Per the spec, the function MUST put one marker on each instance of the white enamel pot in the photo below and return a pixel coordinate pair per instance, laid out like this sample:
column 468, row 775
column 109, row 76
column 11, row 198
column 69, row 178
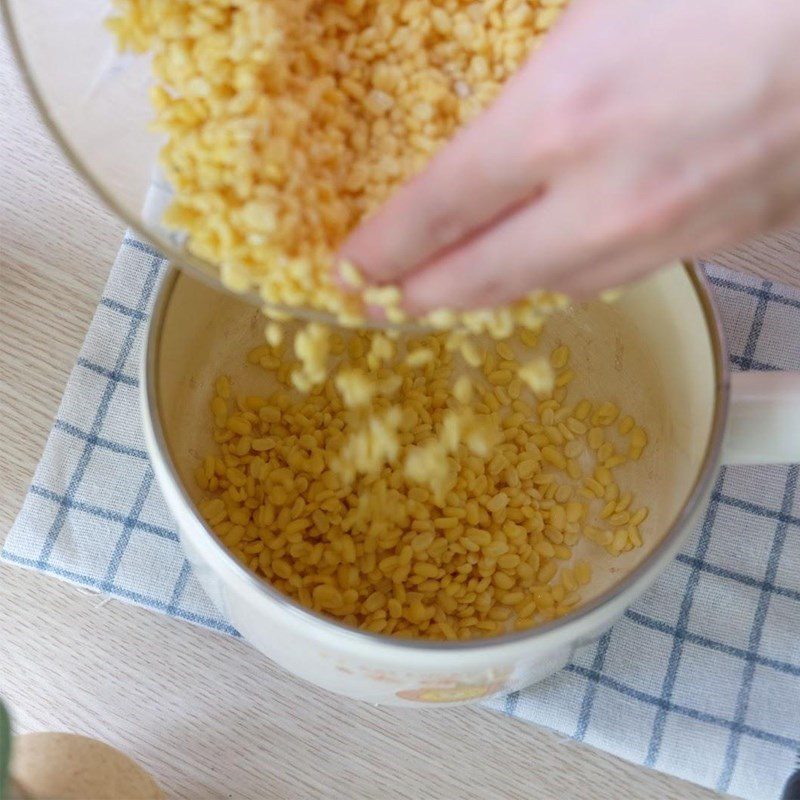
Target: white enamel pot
column 658, row 352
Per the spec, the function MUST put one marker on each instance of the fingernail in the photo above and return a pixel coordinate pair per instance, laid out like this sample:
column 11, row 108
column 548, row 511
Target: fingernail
column 376, row 313
column 415, row 302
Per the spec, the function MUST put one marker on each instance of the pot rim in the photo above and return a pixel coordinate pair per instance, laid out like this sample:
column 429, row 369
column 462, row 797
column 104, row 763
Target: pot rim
column 643, row 574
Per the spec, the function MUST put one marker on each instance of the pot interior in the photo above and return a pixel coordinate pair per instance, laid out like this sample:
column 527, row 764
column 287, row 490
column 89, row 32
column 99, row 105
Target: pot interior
column 650, row 352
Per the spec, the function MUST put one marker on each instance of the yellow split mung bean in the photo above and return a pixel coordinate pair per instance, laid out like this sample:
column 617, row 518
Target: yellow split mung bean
column 397, row 528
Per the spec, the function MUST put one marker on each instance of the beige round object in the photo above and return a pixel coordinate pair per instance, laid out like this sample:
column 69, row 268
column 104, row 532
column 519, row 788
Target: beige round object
column 65, row 766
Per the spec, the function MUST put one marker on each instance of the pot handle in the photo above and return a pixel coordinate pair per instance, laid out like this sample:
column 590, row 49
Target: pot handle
column 763, row 419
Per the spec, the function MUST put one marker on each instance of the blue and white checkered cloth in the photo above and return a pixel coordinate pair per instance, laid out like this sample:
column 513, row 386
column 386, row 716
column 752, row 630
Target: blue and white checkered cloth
column 701, row 678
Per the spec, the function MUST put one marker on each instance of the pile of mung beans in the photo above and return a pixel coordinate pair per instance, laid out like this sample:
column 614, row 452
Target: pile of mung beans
column 422, row 503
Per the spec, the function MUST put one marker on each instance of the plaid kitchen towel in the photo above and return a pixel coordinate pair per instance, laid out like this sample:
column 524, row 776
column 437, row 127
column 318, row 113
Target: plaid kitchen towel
column 701, row 678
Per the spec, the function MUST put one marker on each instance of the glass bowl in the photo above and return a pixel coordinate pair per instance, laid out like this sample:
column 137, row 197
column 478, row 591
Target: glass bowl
column 95, row 100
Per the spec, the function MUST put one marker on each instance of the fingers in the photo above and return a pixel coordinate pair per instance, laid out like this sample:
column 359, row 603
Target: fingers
column 596, row 229
column 535, row 247
column 587, row 233
column 493, row 164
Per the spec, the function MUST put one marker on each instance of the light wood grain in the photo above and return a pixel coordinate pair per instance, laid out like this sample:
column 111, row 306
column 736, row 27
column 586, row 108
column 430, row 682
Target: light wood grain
column 774, row 258
column 209, row 716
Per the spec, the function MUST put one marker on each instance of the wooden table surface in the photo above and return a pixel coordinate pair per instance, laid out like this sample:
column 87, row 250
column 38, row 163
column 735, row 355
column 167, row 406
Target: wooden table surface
column 208, row 715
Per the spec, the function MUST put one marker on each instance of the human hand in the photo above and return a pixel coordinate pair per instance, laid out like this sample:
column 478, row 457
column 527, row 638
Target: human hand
column 640, row 132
